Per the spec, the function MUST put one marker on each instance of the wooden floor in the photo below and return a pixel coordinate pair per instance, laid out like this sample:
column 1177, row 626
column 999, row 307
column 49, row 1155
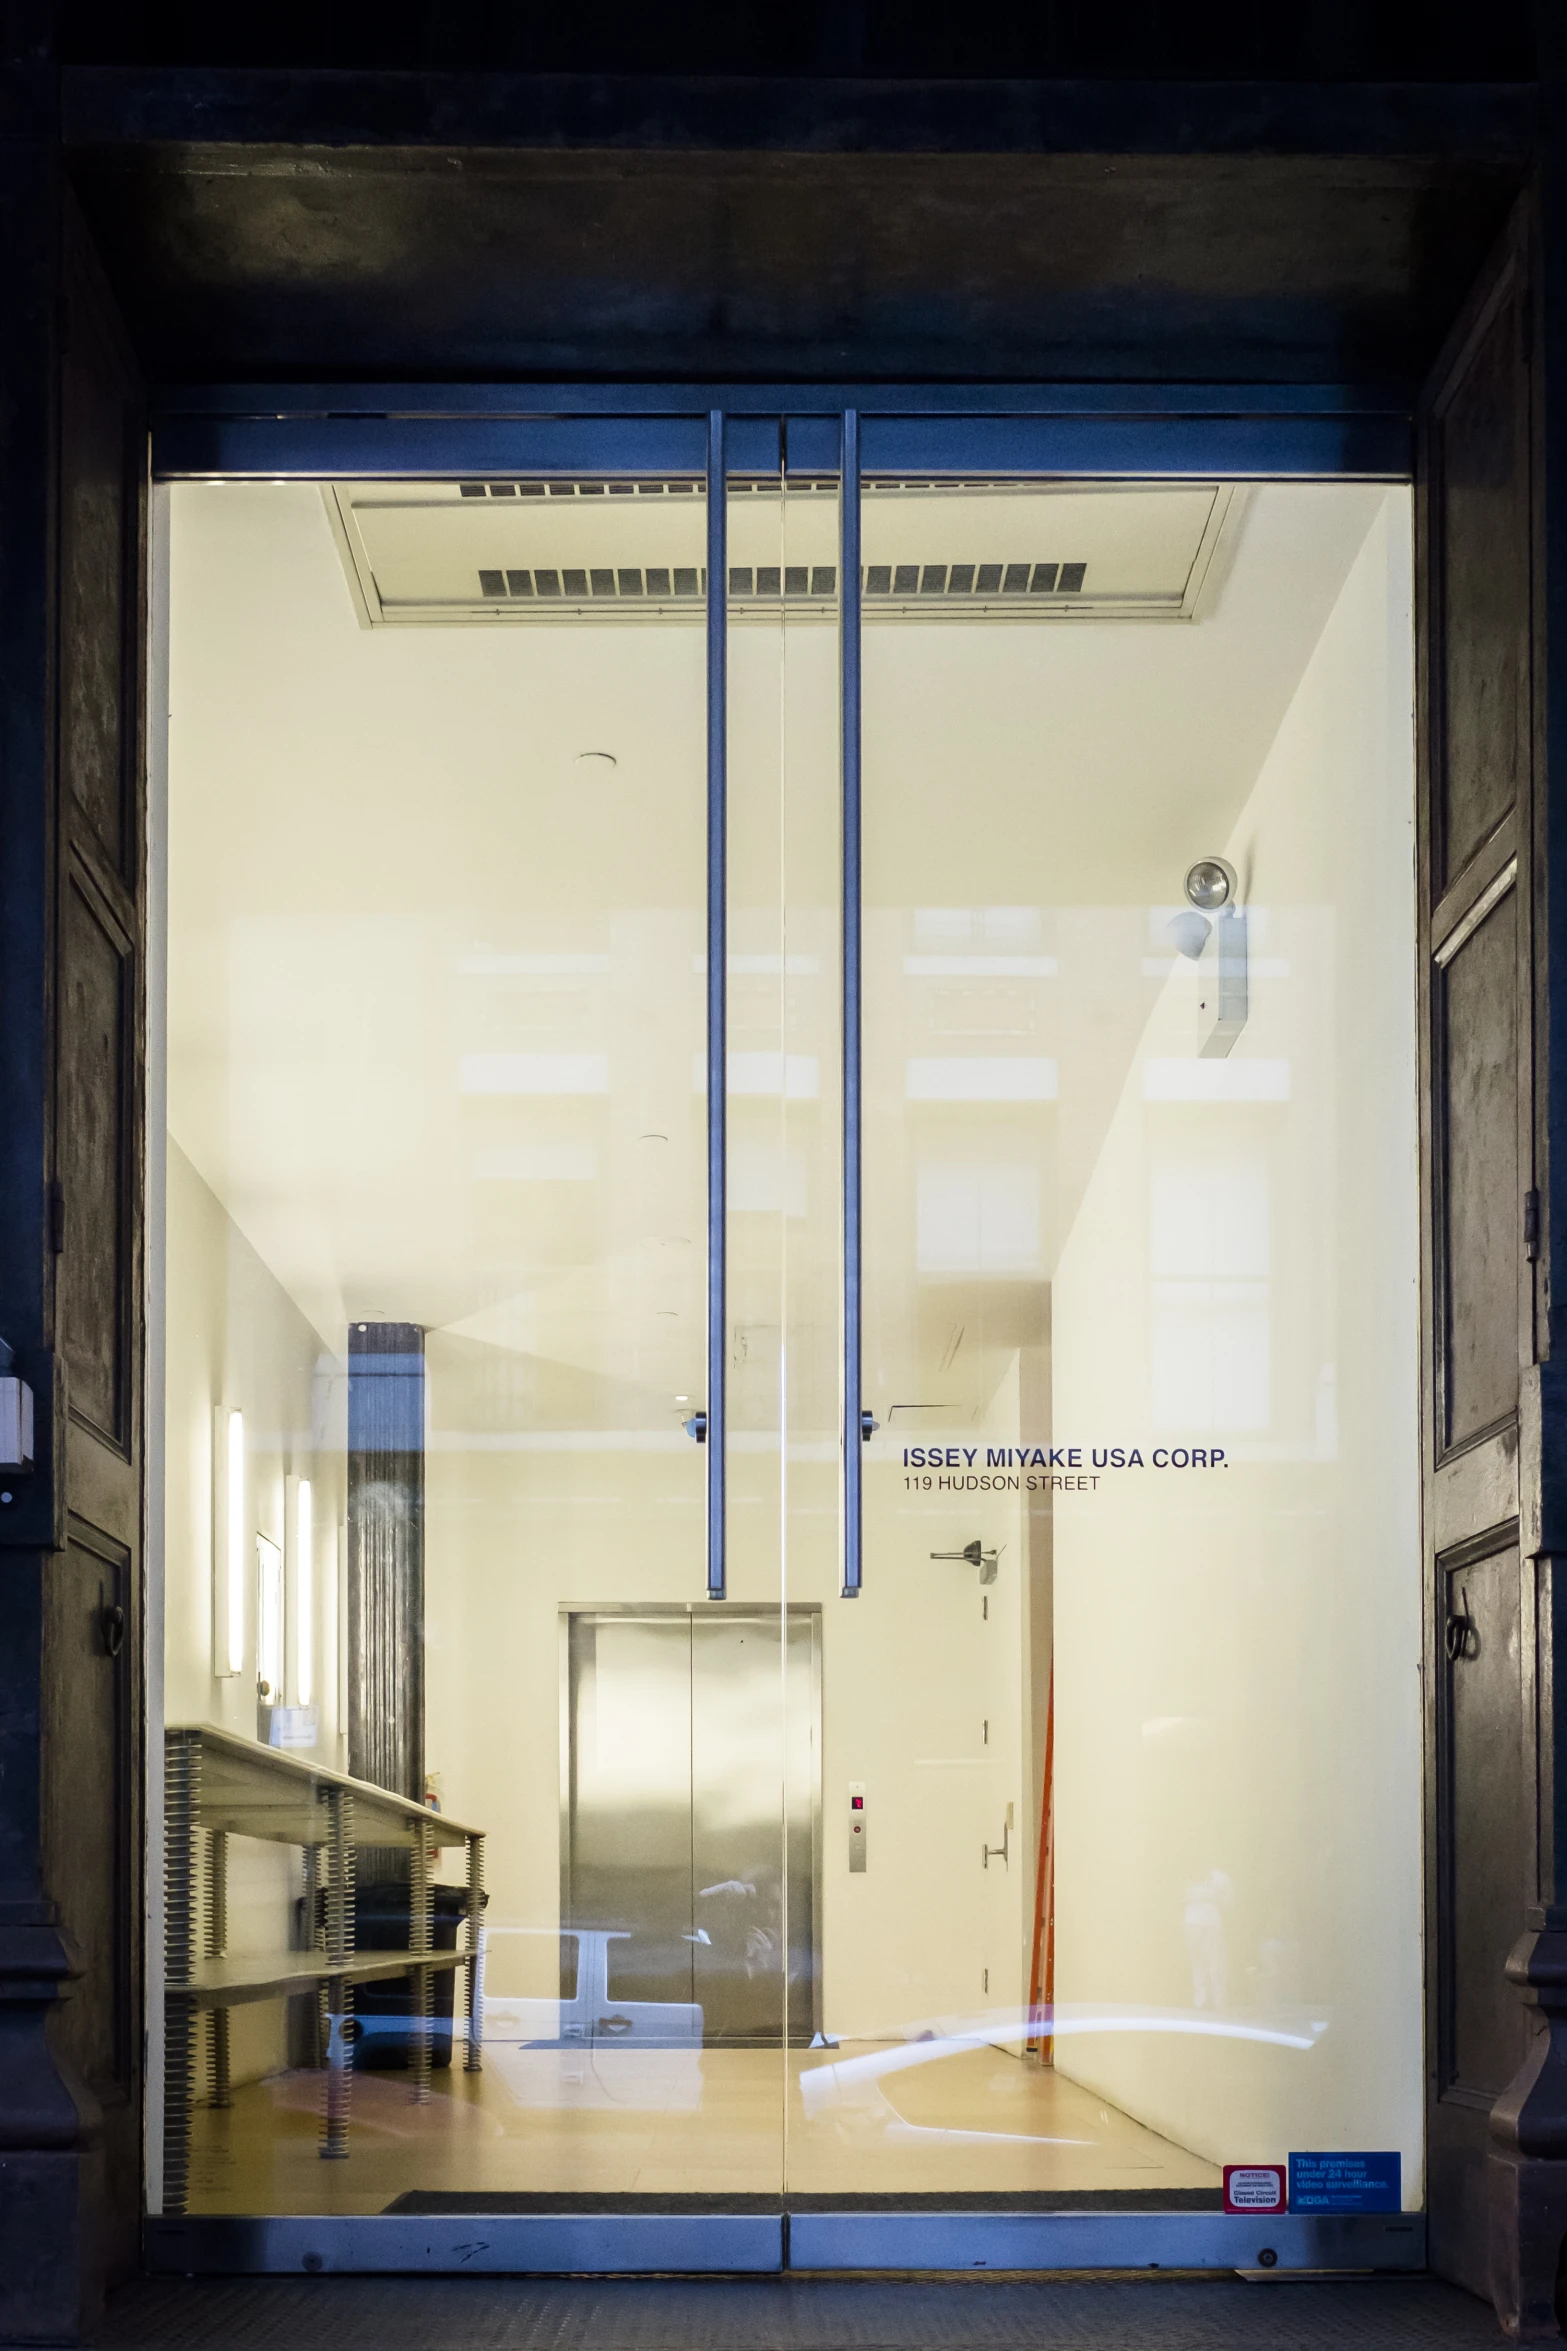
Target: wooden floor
column 717, row 2121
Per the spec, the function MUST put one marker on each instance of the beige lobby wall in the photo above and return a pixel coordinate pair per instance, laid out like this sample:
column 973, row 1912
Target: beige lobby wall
column 914, row 1671
column 235, row 1339
column 514, row 1533
column 910, row 1672
column 1238, row 1650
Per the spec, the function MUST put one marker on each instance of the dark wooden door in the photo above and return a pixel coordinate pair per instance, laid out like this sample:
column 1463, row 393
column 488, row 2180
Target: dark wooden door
column 1476, row 570
column 92, row 1615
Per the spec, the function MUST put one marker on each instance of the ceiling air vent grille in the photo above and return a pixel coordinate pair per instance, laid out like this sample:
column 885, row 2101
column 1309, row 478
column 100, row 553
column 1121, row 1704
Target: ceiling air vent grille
column 765, row 583
column 604, row 489
column 599, row 550
column 623, row 583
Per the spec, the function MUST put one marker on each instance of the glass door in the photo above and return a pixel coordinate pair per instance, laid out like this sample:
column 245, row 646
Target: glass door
column 1121, row 1752
column 475, row 1726
column 791, row 1578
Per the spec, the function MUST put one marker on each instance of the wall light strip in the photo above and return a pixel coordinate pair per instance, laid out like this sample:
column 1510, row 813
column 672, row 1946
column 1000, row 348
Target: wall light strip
column 304, row 1594
column 236, row 1560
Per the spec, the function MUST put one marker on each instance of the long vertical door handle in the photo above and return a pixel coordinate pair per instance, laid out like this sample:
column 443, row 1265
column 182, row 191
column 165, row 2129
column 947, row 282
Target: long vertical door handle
column 717, row 990
column 849, row 672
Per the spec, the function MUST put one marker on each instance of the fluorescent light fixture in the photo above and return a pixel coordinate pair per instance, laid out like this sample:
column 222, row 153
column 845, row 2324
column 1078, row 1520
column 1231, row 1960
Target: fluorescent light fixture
column 304, row 1595
column 234, row 1495
column 269, row 1621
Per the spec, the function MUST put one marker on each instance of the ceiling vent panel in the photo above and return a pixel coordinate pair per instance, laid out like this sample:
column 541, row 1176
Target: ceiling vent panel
column 428, row 554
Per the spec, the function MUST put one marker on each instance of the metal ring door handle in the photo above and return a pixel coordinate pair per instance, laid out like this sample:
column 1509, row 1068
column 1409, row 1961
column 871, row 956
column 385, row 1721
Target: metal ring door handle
column 1461, row 1638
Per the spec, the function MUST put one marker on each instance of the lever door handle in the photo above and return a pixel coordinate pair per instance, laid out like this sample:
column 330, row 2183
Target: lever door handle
column 1003, row 1851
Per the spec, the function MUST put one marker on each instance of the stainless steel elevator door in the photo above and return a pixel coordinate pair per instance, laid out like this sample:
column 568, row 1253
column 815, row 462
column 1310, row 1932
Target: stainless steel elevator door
column 688, row 1877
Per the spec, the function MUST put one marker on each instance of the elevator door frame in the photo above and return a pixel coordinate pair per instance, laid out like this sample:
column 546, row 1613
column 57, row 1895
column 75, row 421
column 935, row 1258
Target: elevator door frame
column 805, row 1613
column 321, row 433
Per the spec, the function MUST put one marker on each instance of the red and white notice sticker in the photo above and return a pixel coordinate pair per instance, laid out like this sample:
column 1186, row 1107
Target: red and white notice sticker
column 1254, row 2187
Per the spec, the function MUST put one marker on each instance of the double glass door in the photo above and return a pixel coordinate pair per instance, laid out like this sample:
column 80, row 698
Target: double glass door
column 791, row 1556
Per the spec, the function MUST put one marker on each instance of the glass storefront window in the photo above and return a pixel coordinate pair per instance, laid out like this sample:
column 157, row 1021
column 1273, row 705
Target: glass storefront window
column 1077, row 1857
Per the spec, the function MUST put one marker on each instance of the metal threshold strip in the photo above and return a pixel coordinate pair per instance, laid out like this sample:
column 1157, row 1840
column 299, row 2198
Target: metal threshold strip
column 627, row 2242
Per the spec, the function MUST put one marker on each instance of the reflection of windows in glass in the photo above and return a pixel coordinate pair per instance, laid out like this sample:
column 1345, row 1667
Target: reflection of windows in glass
column 996, row 928
column 269, row 1621
column 1210, row 1331
column 984, row 1008
column 763, row 1177
column 514, row 1006
column 980, row 1077
column 537, row 1163
column 533, row 1073
column 978, row 1219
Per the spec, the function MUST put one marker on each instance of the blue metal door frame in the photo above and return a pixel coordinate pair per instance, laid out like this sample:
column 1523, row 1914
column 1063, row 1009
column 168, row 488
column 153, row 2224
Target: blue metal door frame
column 308, row 432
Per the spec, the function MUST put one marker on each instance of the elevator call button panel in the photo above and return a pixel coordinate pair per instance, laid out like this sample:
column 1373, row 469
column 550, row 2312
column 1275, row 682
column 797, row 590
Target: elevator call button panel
column 856, row 1826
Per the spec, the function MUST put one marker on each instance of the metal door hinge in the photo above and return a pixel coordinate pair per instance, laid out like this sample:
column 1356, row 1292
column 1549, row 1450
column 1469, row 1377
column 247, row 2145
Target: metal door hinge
column 1531, row 1226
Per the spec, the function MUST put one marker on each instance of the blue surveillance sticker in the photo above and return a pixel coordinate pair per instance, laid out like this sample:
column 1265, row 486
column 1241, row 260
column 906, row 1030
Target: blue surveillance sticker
column 1345, row 2183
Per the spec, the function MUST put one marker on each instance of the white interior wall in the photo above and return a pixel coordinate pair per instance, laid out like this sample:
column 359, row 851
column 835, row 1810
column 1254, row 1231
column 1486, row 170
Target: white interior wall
column 1238, row 1651
column 925, row 1679
column 235, row 1339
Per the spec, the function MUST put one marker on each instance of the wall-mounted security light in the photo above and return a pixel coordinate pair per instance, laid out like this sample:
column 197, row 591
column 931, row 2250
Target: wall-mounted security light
column 1211, row 883
column 1213, row 936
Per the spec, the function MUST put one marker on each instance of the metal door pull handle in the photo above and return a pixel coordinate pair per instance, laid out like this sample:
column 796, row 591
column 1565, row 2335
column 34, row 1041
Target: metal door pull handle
column 1003, row 1850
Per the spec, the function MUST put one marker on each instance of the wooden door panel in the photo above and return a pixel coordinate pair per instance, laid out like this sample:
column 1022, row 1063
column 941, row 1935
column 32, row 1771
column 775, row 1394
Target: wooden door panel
column 92, row 1612
column 98, row 600
column 88, row 1799
column 1483, row 1827
column 94, row 1173
column 1474, row 503
column 1479, row 1192
column 1484, row 562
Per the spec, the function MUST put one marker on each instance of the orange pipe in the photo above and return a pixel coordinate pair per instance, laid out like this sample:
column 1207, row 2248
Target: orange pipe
column 1042, row 1968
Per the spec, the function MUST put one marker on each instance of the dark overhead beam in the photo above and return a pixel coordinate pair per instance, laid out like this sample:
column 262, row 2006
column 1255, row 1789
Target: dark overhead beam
column 186, row 108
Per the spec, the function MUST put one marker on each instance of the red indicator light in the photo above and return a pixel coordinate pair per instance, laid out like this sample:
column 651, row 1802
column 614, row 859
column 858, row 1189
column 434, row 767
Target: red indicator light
column 856, row 1803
